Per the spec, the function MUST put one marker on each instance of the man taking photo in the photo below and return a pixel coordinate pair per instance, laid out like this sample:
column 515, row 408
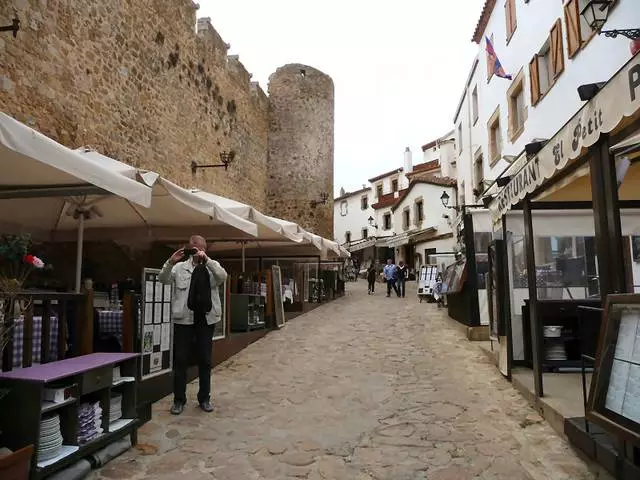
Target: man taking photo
column 195, row 309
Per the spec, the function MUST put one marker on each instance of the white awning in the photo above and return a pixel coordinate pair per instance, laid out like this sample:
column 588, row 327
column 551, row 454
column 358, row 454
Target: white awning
column 618, row 99
column 361, row 245
column 268, row 227
column 628, row 145
column 33, row 165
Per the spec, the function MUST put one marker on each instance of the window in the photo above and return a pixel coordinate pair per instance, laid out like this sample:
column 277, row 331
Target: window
column 547, row 65
column 517, row 108
column 347, row 237
column 406, row 218
column 478, row 174
column 344, row 208
column 364, row 202
column 386, row 221
column 495, row 138
column 379, row 190
column 510, row 16
column 474, row 104
column 460, row 137
column 394, row 185
column 419, row 214
column 365, row 233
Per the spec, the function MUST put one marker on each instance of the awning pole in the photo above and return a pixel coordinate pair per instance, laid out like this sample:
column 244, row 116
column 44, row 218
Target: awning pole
column 79, row 251
column 243, row 259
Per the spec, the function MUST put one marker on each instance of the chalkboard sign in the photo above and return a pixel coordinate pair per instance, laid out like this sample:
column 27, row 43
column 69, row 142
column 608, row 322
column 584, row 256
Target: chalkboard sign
column 277, row 295
column 614, row 401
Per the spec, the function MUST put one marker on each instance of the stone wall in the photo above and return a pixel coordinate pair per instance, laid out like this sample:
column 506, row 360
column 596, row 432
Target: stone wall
column 301, row 142
column 133, row 79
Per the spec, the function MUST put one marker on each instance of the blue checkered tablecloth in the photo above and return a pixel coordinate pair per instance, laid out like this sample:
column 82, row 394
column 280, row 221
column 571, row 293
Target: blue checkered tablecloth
column 110, row 322
column 18, row 341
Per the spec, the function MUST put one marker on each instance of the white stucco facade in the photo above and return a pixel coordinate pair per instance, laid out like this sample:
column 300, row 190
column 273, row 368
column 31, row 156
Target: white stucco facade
column 350, row 217
column 597, row 60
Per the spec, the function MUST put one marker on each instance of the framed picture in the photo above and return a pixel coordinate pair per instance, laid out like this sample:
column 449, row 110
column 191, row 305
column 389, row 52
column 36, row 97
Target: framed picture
column 614, row 399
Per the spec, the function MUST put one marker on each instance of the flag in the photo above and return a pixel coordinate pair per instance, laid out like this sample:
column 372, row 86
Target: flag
column 497, row 66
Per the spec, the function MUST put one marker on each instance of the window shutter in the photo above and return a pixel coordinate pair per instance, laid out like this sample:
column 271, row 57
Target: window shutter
column 512, row 12
column 534, row 80
column 507, row 17
column 557, row 50
column 572, row 21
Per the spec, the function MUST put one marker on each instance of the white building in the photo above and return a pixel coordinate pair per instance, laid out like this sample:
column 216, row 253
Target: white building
column 550, row 50
column 350, row 217
column 443, row 151
column 404, row 217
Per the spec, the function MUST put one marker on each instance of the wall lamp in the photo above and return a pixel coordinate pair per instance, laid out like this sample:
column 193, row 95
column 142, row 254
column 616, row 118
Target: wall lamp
column 596, row 12
column 444, row 198
column 225, row 157
column 14, row 27
column 588, row 91
column 324, row 198
column 372, row 222
column 534, row 147
column 503, row 181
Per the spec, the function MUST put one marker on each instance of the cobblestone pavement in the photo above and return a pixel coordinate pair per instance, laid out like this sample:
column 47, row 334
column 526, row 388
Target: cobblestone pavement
column 361, row 388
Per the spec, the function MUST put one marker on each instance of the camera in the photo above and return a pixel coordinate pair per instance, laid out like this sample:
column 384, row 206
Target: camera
column 188, row 252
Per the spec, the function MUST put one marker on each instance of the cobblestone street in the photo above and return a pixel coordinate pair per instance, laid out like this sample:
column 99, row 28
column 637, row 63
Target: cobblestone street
column 361, row 388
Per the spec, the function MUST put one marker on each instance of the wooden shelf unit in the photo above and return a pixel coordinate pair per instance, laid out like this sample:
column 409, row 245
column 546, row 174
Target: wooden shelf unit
column 91, row 377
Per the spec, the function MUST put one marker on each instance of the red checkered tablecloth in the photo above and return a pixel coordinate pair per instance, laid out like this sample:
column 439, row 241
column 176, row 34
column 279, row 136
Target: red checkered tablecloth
column 18, row 341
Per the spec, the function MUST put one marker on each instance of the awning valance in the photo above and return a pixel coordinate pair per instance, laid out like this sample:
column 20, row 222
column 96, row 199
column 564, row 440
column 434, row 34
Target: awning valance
column 422, row 235
column 361, row 244
column 398, row 240
column 619, row 98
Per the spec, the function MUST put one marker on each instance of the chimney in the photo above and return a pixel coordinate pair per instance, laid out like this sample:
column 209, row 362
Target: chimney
column 408, row 162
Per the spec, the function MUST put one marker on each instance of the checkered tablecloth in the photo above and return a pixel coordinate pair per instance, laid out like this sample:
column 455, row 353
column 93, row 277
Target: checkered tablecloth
column 110, row 322
column 18, row 341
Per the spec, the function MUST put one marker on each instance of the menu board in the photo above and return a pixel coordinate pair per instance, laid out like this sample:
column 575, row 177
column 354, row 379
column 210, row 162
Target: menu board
column 157, row 329
column 623, row 391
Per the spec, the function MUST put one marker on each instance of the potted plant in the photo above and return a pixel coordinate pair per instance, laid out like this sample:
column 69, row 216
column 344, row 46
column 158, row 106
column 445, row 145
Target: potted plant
column 16, row 263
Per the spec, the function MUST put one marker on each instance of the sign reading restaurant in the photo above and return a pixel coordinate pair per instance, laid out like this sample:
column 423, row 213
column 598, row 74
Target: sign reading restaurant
column 619, row 98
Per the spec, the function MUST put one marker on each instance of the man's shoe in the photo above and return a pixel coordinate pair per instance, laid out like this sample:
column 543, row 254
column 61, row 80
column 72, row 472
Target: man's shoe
column 206, row 406
column 177, row 408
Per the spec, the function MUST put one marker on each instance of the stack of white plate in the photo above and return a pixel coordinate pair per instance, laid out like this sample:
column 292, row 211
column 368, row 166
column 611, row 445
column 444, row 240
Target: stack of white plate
column 556, row 352
column 115, row 408
column 50, row 443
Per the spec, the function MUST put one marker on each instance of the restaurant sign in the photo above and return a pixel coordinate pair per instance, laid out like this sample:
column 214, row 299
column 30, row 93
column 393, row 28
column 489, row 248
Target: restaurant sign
column 619, row 98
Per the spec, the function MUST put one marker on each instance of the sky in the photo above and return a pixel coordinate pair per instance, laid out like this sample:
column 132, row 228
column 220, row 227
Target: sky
column 398, row 68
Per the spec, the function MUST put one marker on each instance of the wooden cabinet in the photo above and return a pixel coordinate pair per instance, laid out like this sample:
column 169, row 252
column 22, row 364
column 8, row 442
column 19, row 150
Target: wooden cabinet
column 247, row 312
column 85, row 379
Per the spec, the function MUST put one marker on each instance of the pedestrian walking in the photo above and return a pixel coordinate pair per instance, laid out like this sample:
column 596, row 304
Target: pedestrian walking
column 195, row 307
column 371, row 279
column 438, row 291
column 391, row 277
column 403, row 273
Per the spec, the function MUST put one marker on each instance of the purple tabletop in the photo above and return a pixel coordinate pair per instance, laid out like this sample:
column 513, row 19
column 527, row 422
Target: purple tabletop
column 48, row 372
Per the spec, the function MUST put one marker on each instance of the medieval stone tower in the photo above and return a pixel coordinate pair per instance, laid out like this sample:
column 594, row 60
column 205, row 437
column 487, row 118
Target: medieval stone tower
column 301, row 143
